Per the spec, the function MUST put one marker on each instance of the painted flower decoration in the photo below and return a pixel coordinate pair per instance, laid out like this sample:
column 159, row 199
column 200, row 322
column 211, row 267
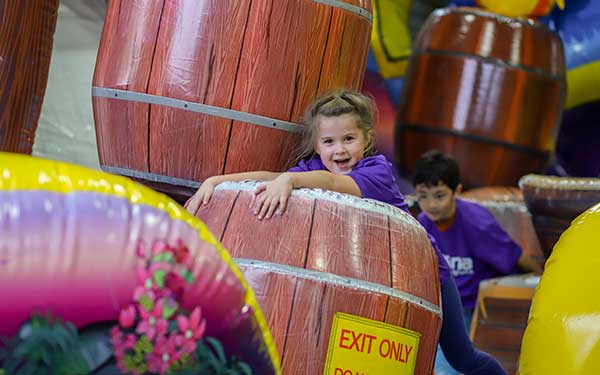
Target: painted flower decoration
column 154, row 333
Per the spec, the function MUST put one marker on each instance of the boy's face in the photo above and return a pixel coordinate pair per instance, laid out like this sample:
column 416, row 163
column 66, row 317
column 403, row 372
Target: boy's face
column 438, row 202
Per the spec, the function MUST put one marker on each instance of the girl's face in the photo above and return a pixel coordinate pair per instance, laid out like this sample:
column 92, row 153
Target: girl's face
column 340, row 142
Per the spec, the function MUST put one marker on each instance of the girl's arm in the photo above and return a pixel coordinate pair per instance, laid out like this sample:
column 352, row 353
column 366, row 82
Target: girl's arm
column 325, row 180
column 204, row 193
column 275, row 194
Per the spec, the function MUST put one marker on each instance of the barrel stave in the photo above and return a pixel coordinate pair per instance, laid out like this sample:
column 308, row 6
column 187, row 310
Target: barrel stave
column 315, row 305
column 130, row 29
column 197, row 61
column 282, row 240
column 351, row 242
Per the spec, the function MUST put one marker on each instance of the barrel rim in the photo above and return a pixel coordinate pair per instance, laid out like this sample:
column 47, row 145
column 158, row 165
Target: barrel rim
column 349, row 282
column 498, row 17
column 559, row 183
column 356, row 9
column 367, row 204
column 501, row 205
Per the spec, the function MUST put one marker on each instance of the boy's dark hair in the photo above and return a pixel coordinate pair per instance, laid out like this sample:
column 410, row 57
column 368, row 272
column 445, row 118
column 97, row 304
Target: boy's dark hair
column 434, row 167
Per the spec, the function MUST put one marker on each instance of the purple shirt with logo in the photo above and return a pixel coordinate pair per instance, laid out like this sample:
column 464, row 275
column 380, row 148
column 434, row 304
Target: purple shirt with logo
column 375, row 179
column 476, row 248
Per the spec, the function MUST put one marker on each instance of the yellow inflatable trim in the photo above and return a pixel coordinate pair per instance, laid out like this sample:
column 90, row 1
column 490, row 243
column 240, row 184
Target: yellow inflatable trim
column 390, row 39
column 582, row 85
column 521, row 8
column 563, row 331
column 30, row 173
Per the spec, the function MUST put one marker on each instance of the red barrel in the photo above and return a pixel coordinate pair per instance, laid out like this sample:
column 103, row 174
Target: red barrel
column 330, row 253
column 189, row 89
column 556, row 201
column 487, row 90
column 26, row 38
column 508, row 207
column 500, row 317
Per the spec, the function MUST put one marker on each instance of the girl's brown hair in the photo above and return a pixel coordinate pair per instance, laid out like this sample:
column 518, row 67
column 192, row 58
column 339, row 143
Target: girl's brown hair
column 334, row 104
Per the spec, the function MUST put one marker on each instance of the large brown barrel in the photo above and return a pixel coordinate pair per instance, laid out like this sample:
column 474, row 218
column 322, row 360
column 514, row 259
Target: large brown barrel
column 485, row 89
column 190, row 89
column 329, row 254
column 500, row 317
column 26, row 38
column 508, row 207
column 556, row 201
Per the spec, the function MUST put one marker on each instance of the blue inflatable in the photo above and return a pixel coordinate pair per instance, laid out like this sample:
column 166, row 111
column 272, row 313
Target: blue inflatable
column 578, row 145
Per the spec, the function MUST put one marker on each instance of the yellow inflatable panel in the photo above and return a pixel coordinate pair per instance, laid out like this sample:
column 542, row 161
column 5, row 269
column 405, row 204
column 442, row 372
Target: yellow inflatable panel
column 520, row 8
column 582, row 84
column 390, row 39
column 563, row 332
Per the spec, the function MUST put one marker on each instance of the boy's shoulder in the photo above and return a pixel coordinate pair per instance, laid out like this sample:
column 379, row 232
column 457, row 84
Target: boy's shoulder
column 474, row 214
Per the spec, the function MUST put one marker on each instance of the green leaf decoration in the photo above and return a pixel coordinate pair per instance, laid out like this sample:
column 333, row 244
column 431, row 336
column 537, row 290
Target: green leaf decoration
column 129, row 362
column 168, row 311
column 146, row 303
column 159, row 278
column 187, row 275
column 217, row 348
column 143, row 346
column 44, row 346
column 164, row 258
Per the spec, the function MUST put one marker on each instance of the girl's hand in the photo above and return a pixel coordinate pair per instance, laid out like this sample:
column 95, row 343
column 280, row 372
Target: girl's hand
column 271, row 195
column 201, row 197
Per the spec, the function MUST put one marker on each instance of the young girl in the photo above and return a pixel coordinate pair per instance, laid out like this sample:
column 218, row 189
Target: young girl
column 337, row 154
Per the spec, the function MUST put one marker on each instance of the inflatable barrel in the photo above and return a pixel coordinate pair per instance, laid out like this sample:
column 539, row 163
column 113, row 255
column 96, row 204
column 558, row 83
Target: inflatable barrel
column 331, row 269
column 189, row 89
column 500, row 317
column 475, row 89
column 70, row 238
column 556, row 201
column 26, row 38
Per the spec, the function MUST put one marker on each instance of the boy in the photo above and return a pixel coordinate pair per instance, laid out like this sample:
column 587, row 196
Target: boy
column 473, row 243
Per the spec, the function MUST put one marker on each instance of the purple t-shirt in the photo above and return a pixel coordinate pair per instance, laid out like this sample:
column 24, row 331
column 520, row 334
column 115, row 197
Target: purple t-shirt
column 476, row 248
column 375, row 179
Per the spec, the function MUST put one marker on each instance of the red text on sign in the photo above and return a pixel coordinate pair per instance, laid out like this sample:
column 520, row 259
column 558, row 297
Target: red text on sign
column 361, row 342
column 395, row 350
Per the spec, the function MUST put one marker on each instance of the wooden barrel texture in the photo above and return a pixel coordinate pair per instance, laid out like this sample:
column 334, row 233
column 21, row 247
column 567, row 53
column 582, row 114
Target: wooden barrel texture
column 485, row 89
column 227, row 58
column 26, row 38
column 556, row 201
column 500, row 318
column 507, row 205
column 289, row 261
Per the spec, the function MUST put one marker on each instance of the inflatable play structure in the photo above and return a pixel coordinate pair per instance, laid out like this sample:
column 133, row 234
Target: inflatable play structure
column 90, row 248
column 334, row 263
column 500, row 317
column 25, row 49
column 471, row 93
column 572, row 146
column 182, row 92
column 554, row 202
column 562, row 335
